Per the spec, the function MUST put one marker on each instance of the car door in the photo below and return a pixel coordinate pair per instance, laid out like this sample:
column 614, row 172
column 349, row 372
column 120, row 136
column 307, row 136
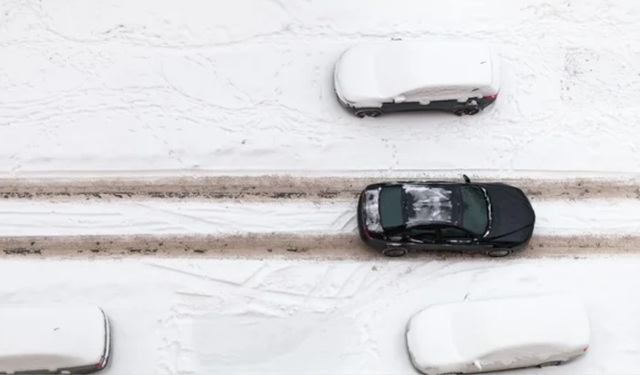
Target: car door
column 509, row 358
column 411, row 101
column 457, row 239
column 423, row 238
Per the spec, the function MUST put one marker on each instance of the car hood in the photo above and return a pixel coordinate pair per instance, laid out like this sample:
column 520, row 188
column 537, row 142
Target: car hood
column 354, row 76
column 511, row 212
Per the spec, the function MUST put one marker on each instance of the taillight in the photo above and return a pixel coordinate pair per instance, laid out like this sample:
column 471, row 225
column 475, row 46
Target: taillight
column 366, row 231
column 489, row 97
column 585, row 349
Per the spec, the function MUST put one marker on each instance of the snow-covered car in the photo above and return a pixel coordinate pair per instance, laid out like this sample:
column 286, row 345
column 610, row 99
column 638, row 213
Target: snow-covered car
column 492, row 218
column 499, row 334
column 53, row 340
column 382, row 77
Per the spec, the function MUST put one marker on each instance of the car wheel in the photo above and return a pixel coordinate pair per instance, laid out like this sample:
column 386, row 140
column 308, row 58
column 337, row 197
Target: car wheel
column 498, row 253
column 458, row 111
column 471, row 110
column 549, row 364
column 394, row 252
column 368, row 113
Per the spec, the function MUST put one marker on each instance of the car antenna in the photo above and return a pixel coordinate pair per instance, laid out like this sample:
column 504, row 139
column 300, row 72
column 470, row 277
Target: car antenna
column 466, row 178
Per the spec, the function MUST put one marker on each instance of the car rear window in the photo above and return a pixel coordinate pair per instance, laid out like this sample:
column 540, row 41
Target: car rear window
column 391, row 207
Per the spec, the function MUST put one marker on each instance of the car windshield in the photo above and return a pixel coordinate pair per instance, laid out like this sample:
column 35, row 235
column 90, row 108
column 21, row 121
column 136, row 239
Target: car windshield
column 474, row 209
column 391, row 207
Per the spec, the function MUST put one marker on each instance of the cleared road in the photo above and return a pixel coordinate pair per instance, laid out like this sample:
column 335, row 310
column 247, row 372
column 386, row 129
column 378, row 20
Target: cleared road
column 265, row 188
column 338, row 247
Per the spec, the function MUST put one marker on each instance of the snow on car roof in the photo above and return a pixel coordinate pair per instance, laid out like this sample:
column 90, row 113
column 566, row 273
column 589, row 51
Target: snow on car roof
column 403, row 67
column 371, row 206
column 42, row 338
column 473, row 329
column 428, row 204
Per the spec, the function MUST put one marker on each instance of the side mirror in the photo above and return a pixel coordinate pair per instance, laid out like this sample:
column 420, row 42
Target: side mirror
column 477, row 365
column 467, row 180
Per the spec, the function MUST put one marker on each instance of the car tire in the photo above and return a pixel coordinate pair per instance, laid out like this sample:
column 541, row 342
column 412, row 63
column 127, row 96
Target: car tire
column 471, row 110
column 394, row 252
column 368, row 113
column 549, row 364
column 498, row 253
column 458, row 111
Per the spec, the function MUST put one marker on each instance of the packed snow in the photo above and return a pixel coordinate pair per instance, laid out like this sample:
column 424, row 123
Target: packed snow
column 32, row 218
column 142, row 88
column 161, row 87
column 174, row 316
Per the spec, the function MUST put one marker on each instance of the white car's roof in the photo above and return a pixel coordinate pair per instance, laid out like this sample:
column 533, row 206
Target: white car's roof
column 463, row 332
column 383, row 70
column 47, row 338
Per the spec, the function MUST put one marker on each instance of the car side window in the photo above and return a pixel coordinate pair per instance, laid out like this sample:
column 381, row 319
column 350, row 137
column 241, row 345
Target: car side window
column 450, row 233
column 422, row 234
column 437, row 91
column 418, row 94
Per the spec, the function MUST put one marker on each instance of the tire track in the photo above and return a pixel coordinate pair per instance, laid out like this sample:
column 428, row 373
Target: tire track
column 275, row 188
column 274, row 246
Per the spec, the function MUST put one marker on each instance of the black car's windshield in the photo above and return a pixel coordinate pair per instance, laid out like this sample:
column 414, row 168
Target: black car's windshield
column 391, row 207
column 474, row 209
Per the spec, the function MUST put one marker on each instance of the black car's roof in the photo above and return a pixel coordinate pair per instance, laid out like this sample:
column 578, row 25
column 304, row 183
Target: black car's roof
column 429, row 203
column 421, row 204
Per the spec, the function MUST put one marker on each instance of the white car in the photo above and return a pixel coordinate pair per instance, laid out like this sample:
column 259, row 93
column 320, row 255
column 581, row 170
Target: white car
column 382, row 77
column 500, row 334
column 55, row 340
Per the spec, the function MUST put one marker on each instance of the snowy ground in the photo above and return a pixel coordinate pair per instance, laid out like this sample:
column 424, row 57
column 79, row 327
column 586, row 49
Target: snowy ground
column 206, row 316
column 174, row 88
column 33, row 218
column 137, row 88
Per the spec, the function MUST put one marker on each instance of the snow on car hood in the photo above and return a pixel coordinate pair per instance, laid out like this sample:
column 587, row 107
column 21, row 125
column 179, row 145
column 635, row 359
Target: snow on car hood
column 355, row 78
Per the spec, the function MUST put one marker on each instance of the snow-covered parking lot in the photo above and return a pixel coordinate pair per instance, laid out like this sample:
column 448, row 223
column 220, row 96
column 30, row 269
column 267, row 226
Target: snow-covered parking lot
column 227, row 316
column 97, row 95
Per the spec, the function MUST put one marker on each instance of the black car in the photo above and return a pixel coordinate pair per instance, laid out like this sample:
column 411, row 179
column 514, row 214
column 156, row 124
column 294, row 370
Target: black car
column 491, row 218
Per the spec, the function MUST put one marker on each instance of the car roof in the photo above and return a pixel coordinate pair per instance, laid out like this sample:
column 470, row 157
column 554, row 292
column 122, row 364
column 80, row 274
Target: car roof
column 42, row 338
column 402, row 67
column 429, row 203
column 474, row 329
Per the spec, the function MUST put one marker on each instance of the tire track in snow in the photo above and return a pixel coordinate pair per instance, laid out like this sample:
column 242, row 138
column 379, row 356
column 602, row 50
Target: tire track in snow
column 278, row 188
column 284, row 246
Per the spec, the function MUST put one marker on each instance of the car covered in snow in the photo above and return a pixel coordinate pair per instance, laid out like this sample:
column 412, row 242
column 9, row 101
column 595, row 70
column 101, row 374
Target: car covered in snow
column 399, row 217
column 498, row 334
column 53, row 340
column 382, row 77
